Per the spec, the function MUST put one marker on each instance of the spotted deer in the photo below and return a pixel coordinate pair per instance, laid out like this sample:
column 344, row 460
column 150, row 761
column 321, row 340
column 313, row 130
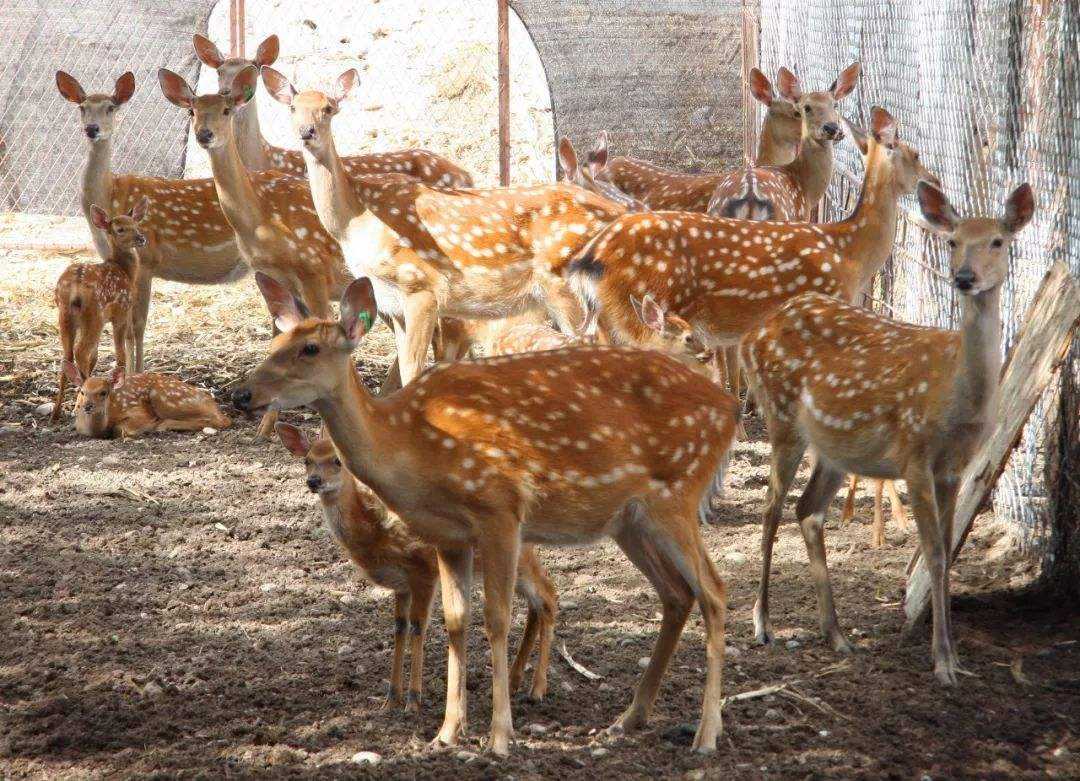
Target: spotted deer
column 562, row 447
column 724, row 276
column 587, row 176
column 259, row 155
column 827, row 377
column 187, row 236
column 662, row 189
column 127, row 406
column 474, row 254
column 384, row 551
column 90, row 294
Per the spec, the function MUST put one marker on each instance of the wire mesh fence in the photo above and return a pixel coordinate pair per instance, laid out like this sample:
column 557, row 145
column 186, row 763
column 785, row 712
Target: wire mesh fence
column 987, row 91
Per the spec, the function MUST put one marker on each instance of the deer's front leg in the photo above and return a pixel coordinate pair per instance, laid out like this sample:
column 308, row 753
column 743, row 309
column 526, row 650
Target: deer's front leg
column 421, row 311
column 140, row 307
column 455, row 576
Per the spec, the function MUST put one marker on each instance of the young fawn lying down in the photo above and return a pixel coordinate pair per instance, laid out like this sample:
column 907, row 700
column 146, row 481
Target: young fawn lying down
column 90, row 294
column 389, row 556
column 127, row 406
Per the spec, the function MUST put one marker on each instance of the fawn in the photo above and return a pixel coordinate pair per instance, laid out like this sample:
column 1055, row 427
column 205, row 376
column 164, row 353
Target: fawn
column 388, row 555
column 561, row 447
column 127, row 406
column 89, row 294
column 826, row 375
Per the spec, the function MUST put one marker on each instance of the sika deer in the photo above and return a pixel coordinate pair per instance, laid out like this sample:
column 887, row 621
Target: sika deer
column 129, row 406
column 259, row 155
column 87, row 295
column 561, row 447
column 384, row 551
column 827, row 378
column 187, row 237
column 586, row 176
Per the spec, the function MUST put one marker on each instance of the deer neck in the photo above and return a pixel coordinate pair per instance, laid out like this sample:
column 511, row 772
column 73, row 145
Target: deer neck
column 249, row 138
column 332, row 191
column 979, row 359
column 236, row 193
column 352, row 417
column 771, row 150
column 812, row 169
column 126, row 260
column 97, row 184
column 869, row 233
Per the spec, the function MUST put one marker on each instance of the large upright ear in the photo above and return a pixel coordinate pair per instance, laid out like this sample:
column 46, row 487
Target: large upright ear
column 858, row 135
column 123, row 89
column 884, row 127
column 138, row 211
column 277, row 85
column 175, row 88
column 99, row 217
column 294, row 440
column 651, row 314
column 598, row 155
column 69, row 87
column 936, row 209
column 207, row 51
column 71, row 371
column 345, row 83
column 845, row 82
column 788, row 85
column 1019, row 208
column 761, row 87
column 568, row 159
column 284, row 308
column 267, row 53
column 243, row 85
column 358, row 309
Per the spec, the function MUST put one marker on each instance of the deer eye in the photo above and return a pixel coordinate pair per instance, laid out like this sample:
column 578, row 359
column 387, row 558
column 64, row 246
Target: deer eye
column 952, row 243
column 225, row 111
column 110, row 109
column 337, row 462
column 309, row 349
column 808, row 110
column 191, row 112
column 996, row 243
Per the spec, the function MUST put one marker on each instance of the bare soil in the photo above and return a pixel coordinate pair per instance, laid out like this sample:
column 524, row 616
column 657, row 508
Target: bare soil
column 172, row 608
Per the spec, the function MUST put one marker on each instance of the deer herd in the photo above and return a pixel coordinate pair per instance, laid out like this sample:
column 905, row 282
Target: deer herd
column 616, row 312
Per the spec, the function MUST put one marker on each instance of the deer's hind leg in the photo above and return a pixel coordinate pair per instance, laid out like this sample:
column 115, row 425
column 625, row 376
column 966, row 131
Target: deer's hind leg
column 423, row 591
column 67, row 344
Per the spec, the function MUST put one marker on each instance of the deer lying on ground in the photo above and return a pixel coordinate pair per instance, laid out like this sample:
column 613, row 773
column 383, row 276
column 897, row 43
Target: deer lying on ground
column 474, row 254
column 127, row 406
column 259, row 155
column 90, row 294
column 389, row 556
column 561, row 447
column 187, row 236
column 827, row 377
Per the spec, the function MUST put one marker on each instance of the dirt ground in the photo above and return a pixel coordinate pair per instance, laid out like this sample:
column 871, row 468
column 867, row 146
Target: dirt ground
column 172, row 607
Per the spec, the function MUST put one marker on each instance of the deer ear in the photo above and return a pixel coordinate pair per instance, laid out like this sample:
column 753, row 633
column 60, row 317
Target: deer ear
column 71, row 371
column 70, row 88
column 207, row 51
column 283, row 306
column 884, row 128
column 294, row 440
column 761, row 87
column 345, row 83
column 119, row 377
column 99, row 217
column 651, row 314
column 845, row 82
column 788, row 84
column 936, row 209
column 138, row 211
column 243, row 86
column 268, row 50
column 123, row 89
column 1019, row 208
column 598, row 155
column 568, row 159
column 175, row 89
column 358, row 309
column 858, row 135
column 277, row 85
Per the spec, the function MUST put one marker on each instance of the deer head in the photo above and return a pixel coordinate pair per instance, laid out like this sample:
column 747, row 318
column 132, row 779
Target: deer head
column 311, row 111
column 228, row 68
column 98, row 111
column 92, row 402
column 821, row 122
column 670, row 332
column 321, row 461
column 901, row 162
column 211, row 115
column 123, row 230
column 979, row 247
column 782, row 116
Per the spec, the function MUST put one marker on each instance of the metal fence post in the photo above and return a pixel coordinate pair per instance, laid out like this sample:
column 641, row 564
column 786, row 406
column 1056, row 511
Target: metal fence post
column 504, row 93
column 236, row 28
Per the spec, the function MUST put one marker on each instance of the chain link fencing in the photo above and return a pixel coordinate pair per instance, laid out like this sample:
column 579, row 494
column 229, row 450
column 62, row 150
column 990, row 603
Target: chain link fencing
column 987, row 90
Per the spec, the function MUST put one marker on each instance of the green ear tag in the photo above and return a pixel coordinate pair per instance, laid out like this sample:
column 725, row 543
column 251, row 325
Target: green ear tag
column 249, row 93
column 365, row 318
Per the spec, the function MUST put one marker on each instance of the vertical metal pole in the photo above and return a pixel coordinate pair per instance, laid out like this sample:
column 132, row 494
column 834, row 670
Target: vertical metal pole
column 750, row 11
column 504, row 93
column 236, row 28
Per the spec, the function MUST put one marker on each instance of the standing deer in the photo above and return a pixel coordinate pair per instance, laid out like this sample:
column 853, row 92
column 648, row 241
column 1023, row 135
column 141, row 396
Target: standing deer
column 475, row 254
column 561, row 447
column 259, row 155
column 389, row 556
column 827, row 377
column 127, row 406
column 187, row 236
column 87, row 295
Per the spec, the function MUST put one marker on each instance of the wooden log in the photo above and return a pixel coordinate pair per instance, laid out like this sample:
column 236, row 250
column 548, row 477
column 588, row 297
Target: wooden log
column 1044, row 341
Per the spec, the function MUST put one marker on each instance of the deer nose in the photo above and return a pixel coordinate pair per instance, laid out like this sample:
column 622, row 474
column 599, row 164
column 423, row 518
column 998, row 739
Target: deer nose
column 204, row 136
column 241, row 398
column 307, row 133
column 88, row 407
column 314, row 483
column 92, row 131
column 964, row 279
column 831, row 129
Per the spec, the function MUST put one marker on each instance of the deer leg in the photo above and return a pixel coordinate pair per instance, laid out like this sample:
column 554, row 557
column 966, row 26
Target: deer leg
column 67, row 343
column 899, row 512
column 270, row 418
column 787, row 452
column 121, row 339
column 395, row 691
column 810, row 511
column 538, row 590
column 455, row 576
column 140, row 307
column 392, row 381
column 877, row 539
column 711, row 595
column 924, row 504
column 849, row 504
column 945, row 491
column 499, row 550
column 419, row 614
column 421, row 311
